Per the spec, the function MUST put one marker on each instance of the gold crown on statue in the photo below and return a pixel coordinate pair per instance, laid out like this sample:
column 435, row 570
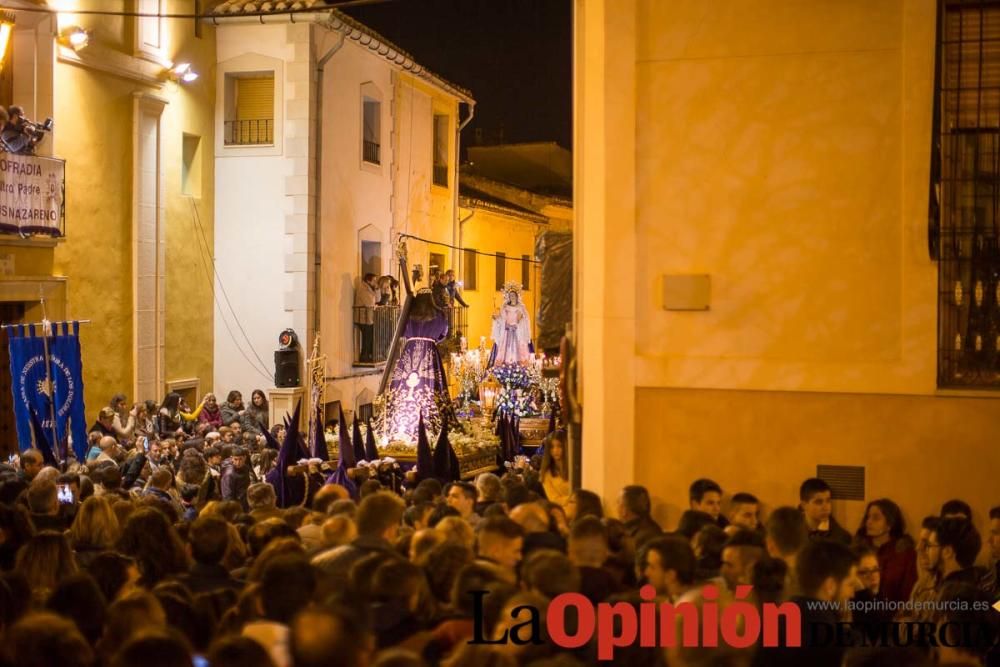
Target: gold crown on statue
column 425, row 290
column 511, row 286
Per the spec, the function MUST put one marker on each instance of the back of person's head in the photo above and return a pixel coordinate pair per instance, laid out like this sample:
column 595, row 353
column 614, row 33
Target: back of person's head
column 397, row 579
column 149, row 537
column 532, row 517
column 45, row 560
column 378, row 513
column 43, row 497
column 209, row 539
column 161, row 649
column 488, row 487
column 550, row 573
column 96, row 524
column 699, row 487
column 368, row 487
column 79, row 599
column 337, row 531
column 161, row 478
column 693, row 521
column 441, row 512
column 588, row 542
column 821, row 560
column 261, row 495
column 326, row 496
column 768, row 579
column 962, row 537
column 343, row 507
column 417, row 513
column 588, row 503
column 635, row 500
column 477, row 576
column 110, row 571
column 956, row 508
column 264, row 532
column 321, row 637
column 441, row 564
column 286, row 587
column 238, row 651
column 134, row 614
column 499, row 527
column 810, row 487
column 675, row 554
column 786, row 530
column 46, row 640
column 708, row 544
column 430, row 486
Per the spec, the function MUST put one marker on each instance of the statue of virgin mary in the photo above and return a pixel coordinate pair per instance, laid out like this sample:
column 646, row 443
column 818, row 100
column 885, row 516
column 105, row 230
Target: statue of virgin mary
column 511, row 330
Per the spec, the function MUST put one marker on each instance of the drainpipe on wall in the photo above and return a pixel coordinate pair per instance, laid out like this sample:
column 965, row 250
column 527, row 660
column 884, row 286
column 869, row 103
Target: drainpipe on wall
column 318, row 183
column 456, row 231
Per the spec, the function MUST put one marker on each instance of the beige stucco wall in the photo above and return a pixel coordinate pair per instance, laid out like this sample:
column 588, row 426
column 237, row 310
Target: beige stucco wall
column 93, row 111
column 784, row 150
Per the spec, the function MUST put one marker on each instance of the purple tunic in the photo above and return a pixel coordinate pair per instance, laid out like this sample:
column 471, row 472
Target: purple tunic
column 419, row 383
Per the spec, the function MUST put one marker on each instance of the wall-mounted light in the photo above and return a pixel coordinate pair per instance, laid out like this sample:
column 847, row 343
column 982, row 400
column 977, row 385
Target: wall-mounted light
column 183, row 72
column 6, row 28
column 74, row 37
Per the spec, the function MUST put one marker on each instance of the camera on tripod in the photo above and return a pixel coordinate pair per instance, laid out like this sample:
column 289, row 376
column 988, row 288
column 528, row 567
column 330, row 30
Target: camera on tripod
column 20, row 134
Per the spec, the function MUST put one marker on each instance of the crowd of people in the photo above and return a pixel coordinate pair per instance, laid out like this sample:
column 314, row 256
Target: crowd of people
column 166, row 548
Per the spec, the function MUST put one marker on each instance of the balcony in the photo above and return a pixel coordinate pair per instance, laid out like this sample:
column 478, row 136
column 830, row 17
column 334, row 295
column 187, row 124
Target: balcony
column 373, row 330
column 371, row 152
column 249, row 132
column 375, row 326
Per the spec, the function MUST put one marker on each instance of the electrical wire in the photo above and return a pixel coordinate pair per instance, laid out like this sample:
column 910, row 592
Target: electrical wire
column 455, row 247
column 223, row 288
column 209, row 270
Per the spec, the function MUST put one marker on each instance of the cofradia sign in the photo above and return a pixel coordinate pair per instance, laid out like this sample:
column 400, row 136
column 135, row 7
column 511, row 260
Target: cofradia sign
column 32, row 194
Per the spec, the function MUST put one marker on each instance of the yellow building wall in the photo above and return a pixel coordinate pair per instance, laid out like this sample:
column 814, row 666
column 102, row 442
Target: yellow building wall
column 94, row 112
column 422, row 208
column 491, row 232
column 782, row 148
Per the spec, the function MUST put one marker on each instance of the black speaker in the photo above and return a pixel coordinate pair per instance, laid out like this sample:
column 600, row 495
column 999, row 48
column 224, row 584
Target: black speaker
column 286, row 368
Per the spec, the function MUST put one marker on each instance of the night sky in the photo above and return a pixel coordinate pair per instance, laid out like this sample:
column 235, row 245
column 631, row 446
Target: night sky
column 514, row 55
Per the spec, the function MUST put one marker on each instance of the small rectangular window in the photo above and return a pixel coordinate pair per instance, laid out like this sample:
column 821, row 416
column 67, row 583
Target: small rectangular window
column 249, row 108
column 526, row 272
column 191, row 166
column 372, row 132
column 441, row 150
column 469, row 263
column 501, row 269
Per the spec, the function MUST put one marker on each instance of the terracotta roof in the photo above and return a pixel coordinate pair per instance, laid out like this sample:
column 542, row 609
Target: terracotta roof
column 340, row 22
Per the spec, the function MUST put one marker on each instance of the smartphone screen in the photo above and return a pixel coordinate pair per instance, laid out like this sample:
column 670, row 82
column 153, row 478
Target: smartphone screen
column 65, row 494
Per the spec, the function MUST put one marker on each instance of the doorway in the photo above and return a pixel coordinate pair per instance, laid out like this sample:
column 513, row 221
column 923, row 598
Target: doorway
column 11, row 312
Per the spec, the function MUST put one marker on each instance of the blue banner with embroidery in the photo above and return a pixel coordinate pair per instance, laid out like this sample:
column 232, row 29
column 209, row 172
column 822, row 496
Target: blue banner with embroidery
column 67, row 371
column 29, row 384
column 56, row 394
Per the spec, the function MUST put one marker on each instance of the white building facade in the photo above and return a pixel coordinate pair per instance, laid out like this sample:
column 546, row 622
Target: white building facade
column 329, row 143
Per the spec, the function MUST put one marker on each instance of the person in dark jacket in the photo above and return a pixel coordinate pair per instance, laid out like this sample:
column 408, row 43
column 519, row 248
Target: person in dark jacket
column 634, row 509
column 236, row 477
column 816, row 503
column 209, row 539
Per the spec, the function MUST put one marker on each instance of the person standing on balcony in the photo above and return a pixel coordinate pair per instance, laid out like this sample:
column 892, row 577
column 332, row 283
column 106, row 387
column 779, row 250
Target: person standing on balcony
column 365, row 298
column 452, row 286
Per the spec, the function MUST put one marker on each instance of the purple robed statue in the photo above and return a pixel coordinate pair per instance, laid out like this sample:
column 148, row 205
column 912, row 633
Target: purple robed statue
column 419, row 385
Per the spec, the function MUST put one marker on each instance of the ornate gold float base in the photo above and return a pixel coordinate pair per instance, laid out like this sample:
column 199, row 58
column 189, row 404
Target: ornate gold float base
column 471, row 464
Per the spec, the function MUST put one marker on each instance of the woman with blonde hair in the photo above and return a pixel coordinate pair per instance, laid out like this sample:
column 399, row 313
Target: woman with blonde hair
column 45, row 560
column 94, row 531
